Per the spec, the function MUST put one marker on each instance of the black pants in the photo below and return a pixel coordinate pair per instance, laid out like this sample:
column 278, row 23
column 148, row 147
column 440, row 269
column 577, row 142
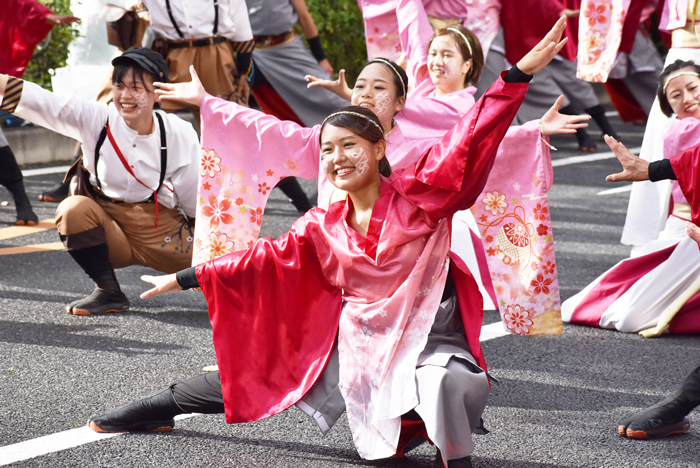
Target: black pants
column 201, row 394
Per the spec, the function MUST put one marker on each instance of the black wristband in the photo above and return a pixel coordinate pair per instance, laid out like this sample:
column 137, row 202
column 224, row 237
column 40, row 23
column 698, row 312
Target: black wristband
column 661, row 170
column 244, row 60
column 316, row 48
column 187, row 278
column 515, row 75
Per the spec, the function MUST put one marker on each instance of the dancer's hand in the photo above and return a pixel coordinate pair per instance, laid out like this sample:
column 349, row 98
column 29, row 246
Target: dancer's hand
column 544, row 52
column 161, row 285
column 55, row 20
column 634, row 169
column 339, row 86
column 554, row 122
column 190, row 93
column 693, row 231
column 243, row 89
column 326, row 65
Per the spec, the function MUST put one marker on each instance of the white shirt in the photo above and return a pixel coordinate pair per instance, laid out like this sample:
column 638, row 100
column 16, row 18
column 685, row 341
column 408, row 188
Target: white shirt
column 84, row 120
column 195, row 18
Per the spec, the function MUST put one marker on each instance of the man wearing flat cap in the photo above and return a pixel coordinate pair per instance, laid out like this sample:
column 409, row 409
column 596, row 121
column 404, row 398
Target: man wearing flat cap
column 141, row 168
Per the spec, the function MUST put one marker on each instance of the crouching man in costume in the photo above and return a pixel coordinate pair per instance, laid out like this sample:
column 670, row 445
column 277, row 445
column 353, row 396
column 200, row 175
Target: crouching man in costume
column 410, row 364
column 141, row 165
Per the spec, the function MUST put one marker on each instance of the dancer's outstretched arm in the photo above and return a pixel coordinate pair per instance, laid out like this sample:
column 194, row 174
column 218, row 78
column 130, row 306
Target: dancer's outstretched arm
column 634, row 169
column 161, row 285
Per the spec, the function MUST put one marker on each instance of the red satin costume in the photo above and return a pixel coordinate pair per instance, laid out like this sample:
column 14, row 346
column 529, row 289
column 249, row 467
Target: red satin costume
column 275, row 308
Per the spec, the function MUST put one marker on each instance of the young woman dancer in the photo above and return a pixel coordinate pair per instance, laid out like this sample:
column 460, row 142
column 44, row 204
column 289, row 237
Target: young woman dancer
column 632, row 295
column 394, row 230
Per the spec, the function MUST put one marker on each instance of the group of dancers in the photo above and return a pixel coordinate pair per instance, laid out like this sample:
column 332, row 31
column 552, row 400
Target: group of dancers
column 410, row 158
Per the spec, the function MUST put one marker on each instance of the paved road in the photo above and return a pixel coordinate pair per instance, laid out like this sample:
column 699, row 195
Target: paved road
column 557, row 403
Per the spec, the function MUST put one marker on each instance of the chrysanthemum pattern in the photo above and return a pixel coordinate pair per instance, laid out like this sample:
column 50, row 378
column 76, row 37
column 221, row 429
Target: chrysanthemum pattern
column 210, row 164
column 600, row 34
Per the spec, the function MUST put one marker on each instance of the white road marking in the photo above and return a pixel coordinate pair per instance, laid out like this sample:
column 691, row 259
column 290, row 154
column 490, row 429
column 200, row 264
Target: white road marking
column 83, row 435
column 57, row 442
column 589, row 157
column 623, row 189
column 45, row 170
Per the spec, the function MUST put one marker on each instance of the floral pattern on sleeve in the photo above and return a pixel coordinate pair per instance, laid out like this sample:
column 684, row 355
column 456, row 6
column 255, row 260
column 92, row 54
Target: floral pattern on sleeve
column 599, row 37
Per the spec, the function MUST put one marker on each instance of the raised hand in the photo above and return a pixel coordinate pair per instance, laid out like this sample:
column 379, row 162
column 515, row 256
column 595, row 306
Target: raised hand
column 693, row 231
column 55, row 20
column 161, row 285
column 544, row 52
column 634, row 169
column 554, row 122
column 339, row 86
column 190, row 93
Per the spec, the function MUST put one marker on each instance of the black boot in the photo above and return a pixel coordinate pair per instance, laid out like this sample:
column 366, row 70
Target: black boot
column 11, row 178
column 465, row 462
column 151, row 414
column 585, row 143
column 668, row 416
column 598, row 114
column 59, row 192
column 290, row 186
column 108, row 296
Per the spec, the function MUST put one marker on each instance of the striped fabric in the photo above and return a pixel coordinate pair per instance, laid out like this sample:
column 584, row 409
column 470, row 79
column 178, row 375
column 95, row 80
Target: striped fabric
column 243, row 47
column 13, row 91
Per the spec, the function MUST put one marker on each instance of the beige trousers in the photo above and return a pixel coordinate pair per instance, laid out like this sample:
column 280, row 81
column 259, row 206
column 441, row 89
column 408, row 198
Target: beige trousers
column 128, row 229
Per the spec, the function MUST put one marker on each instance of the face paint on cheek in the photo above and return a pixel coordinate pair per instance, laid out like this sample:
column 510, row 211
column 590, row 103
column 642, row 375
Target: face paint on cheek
column 381, row 104
column 359, row 159
column 327, row 164
column 141, row 101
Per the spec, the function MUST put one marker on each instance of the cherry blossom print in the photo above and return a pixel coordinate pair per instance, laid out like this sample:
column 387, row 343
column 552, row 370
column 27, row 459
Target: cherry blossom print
column 540, row 212
column 548, row 268
column 141, row 101
column 541, row 284
column 534, row 266
column 256, row 216
column 217, row 212
column 360, row 161
column 489, row 239
column 291, row 164
column 264, row 188
column 239, row 201
column 542, row 230
column 517, row 319
column 365, row 332
column 270, row 173
column 219, row 244
column 210, row 163
column 254, row 177
column 595, row 13
column 206, row 186
column 231, row 183
column 494, row 202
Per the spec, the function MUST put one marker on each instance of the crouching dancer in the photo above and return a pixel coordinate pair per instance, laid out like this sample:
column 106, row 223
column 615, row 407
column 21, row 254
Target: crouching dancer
column 141, row 165
column 410, row 363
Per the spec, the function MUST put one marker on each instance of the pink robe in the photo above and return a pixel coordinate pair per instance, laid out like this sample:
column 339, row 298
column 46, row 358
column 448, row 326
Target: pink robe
column 681, row 135
column 275, row 307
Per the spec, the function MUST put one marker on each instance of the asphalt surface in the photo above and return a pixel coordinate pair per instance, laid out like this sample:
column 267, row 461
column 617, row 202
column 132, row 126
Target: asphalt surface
column 557, row 404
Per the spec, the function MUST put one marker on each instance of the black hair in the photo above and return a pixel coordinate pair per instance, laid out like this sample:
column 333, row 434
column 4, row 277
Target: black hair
column 366, row 125
column 476, row 55
column 398, row 74
column 668, row 71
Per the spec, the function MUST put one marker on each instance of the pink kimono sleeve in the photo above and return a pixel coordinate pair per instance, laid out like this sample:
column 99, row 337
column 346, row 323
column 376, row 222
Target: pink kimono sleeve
column 244, row 154
column 515, row 227
column 415, row 32
column 681, row 135
column 450, row 176
column 274, row 316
